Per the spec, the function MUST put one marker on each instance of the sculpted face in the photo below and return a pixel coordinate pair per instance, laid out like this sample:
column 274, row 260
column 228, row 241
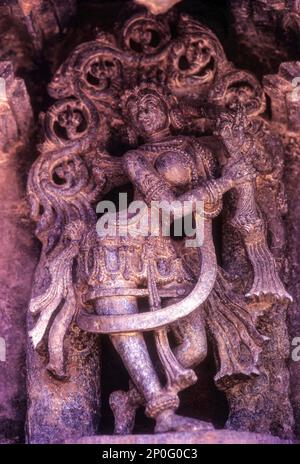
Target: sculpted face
column 149, row 114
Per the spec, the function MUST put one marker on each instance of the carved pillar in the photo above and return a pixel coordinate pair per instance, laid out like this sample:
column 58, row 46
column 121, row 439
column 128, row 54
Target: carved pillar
column 259, row 25
column 262, row 403
column 42, row 19
column 283, row 90
column 62, row 409
column 17, row 257
column 63, row 401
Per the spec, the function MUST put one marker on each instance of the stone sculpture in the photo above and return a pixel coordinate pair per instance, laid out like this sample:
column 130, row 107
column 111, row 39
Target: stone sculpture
column 156, row 95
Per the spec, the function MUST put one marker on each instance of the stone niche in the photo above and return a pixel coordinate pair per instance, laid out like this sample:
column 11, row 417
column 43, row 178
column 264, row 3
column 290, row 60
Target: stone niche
column 74, row 79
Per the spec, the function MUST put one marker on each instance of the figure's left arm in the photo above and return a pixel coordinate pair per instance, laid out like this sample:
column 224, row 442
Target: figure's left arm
column 249, row 221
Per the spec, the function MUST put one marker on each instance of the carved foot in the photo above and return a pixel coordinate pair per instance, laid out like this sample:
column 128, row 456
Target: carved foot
column 168, row 421
column 124, row 410
column 267, row 286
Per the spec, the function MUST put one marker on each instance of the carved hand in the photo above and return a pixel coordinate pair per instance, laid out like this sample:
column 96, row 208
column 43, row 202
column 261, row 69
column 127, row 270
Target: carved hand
column 238, row 173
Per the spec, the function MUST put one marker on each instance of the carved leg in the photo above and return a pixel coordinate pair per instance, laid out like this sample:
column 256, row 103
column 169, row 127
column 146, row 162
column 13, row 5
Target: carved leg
column 124, row 406
column 192, row 349
column 191, row 336
column 160, row 403
column 134, row 354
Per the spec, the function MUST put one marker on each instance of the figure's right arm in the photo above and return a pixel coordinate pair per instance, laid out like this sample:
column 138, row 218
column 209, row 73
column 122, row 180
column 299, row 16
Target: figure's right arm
column 146, row 179
column 154, row 188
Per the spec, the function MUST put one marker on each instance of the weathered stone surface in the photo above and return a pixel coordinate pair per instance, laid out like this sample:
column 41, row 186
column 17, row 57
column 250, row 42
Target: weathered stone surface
column 196, row 70
column 18, row 253
column 192, row 65
column 283, row 91
column 69, row 408
column 262, row 404
column 292, row 170
column 15, row 124
column 158, row 6
column 267, row 32
column 42, row 19
column 218, row 437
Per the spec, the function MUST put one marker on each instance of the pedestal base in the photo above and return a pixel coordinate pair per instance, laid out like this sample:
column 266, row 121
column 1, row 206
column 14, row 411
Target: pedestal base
column 217, row 437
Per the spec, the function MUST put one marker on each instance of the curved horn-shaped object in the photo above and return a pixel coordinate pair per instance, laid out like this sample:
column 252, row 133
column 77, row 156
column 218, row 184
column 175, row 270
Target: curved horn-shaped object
column 149, row 321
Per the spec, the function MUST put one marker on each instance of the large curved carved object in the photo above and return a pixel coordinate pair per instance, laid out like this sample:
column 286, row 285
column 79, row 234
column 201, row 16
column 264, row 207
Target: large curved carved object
column 144, row 322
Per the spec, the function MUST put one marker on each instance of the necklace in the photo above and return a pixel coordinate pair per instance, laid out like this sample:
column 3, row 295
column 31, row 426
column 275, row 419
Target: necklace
column 163, row 144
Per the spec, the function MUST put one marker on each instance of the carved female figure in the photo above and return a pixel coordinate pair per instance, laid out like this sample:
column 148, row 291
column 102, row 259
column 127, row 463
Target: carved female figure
column 162, row 161
column 180, row 168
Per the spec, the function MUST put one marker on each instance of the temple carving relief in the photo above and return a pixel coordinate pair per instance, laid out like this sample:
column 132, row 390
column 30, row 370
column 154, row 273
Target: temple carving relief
column 155, row 110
